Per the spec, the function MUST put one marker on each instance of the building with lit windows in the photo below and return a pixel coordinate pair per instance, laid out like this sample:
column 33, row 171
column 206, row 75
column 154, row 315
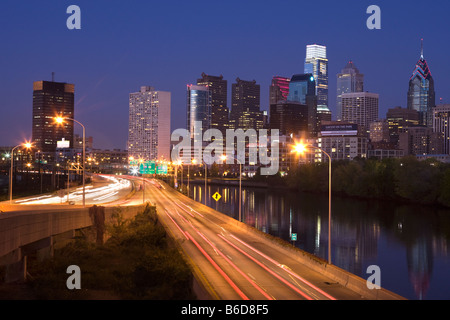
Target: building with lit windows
column 360, row 108
column 399, row 118
column 149, row 124
column 342, row 141
column 349, row 80
column 441, row 124
column 52, row 99
column 421, row 95
column 245, row 101
column 219, row 104
column 316, row 63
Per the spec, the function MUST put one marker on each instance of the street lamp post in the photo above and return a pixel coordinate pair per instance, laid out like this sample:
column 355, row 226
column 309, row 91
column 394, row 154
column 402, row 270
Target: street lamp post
column 26, row 145
column 240, row 184
column 60, row 120
column 300, row 148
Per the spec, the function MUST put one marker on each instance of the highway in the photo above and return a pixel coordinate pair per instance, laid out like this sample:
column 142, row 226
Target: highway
column 232, row 263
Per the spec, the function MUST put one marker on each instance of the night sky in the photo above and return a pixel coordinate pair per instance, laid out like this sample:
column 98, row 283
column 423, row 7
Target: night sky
column 124, row 45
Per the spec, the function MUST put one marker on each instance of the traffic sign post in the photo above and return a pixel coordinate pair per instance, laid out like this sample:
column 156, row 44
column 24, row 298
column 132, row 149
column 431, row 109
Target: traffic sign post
column 216, row 196
column 293, row 237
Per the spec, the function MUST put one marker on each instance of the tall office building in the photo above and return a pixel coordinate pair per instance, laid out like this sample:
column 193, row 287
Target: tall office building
column 245, row 101
column 302, row 89
column 149, row 124
column 349, row 80
column 51, row 99
column 441, row 124
column 421, row 95
column 316, row 63
column 360, row 108
column 278, row 90
column 219, row 109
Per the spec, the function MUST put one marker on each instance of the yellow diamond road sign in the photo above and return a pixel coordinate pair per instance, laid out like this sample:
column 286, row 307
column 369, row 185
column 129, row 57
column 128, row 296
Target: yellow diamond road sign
column 216, row 196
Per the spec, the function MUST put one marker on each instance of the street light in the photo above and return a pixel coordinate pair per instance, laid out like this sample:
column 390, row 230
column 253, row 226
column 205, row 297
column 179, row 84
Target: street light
column 301, row 148
column 60, row 120
column 224, row 157
column 27, row 145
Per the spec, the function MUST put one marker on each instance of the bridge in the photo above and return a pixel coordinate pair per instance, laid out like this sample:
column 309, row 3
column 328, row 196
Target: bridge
column 229, row 260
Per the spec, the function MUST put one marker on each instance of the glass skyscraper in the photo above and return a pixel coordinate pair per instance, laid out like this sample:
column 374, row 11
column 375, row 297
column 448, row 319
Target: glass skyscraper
column 421, row 95
column 349, row 80
column 302, row 89
column 198, row 107
column 316, row 63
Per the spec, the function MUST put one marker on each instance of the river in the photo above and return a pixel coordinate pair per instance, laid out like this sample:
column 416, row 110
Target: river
column 410, row 243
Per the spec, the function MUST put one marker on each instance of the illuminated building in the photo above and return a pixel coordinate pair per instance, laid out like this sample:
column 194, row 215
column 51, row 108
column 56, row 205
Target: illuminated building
column 149, row 124
column 245, row 101
column 349, row 80
column 302, row 88
column 441, row 124
column 219, row 109
column 421, row 95
column 316, row 63
column 278, row 90
column 360, row 108
column 51, row 99
column 399, row 118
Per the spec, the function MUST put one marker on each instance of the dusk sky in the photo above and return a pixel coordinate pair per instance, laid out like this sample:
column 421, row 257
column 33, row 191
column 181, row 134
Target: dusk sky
column 124, row 45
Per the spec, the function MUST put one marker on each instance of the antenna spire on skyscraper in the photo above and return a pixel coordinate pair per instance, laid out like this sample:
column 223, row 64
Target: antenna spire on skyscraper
column 421, row 48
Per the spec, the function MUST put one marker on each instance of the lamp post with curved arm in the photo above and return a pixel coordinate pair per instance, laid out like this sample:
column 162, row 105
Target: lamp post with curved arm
column 26, row 145
column 60, row 120
column 301, row 148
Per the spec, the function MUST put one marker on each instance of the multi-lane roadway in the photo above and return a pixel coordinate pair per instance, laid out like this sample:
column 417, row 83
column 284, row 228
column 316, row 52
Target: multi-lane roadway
column 233, row 262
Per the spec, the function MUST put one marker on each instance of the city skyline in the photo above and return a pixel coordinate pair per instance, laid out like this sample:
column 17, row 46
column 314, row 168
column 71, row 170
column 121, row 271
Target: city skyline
column 105, row 64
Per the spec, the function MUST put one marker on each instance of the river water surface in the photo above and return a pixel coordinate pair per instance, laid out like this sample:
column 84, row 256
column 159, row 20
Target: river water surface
column 410, row 243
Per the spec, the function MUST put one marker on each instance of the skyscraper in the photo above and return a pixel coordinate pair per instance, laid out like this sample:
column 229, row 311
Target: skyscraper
column 421, row 95
column 245, row 101
column 289, row 117
column 51, row 99
column 349, row 80
column 278, row 90
column 219, row 109
column 360, row 108
column 302, row 89
column 316, row 63
column 149, row 124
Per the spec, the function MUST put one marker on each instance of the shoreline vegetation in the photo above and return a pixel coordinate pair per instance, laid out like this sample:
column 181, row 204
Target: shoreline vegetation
column 403, row 180
column 138, row 261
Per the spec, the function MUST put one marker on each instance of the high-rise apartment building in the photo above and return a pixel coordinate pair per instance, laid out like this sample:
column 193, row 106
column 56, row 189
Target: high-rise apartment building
column 149, row 124
column 52, row 99
column 245, row 101
column 421, row 95
column 316, row 63
column 441, row 124
column 349, row 80
column 360, row 108
column 219, row 109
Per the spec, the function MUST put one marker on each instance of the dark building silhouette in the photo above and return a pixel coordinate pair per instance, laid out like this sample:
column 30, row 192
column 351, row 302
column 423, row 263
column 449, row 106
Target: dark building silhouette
column 245, row 101
column 289, row 117
column 219, row 109
column 52, row 99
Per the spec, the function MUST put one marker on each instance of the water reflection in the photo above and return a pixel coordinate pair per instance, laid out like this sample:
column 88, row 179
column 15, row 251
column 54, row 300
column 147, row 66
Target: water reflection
column 362, row 233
